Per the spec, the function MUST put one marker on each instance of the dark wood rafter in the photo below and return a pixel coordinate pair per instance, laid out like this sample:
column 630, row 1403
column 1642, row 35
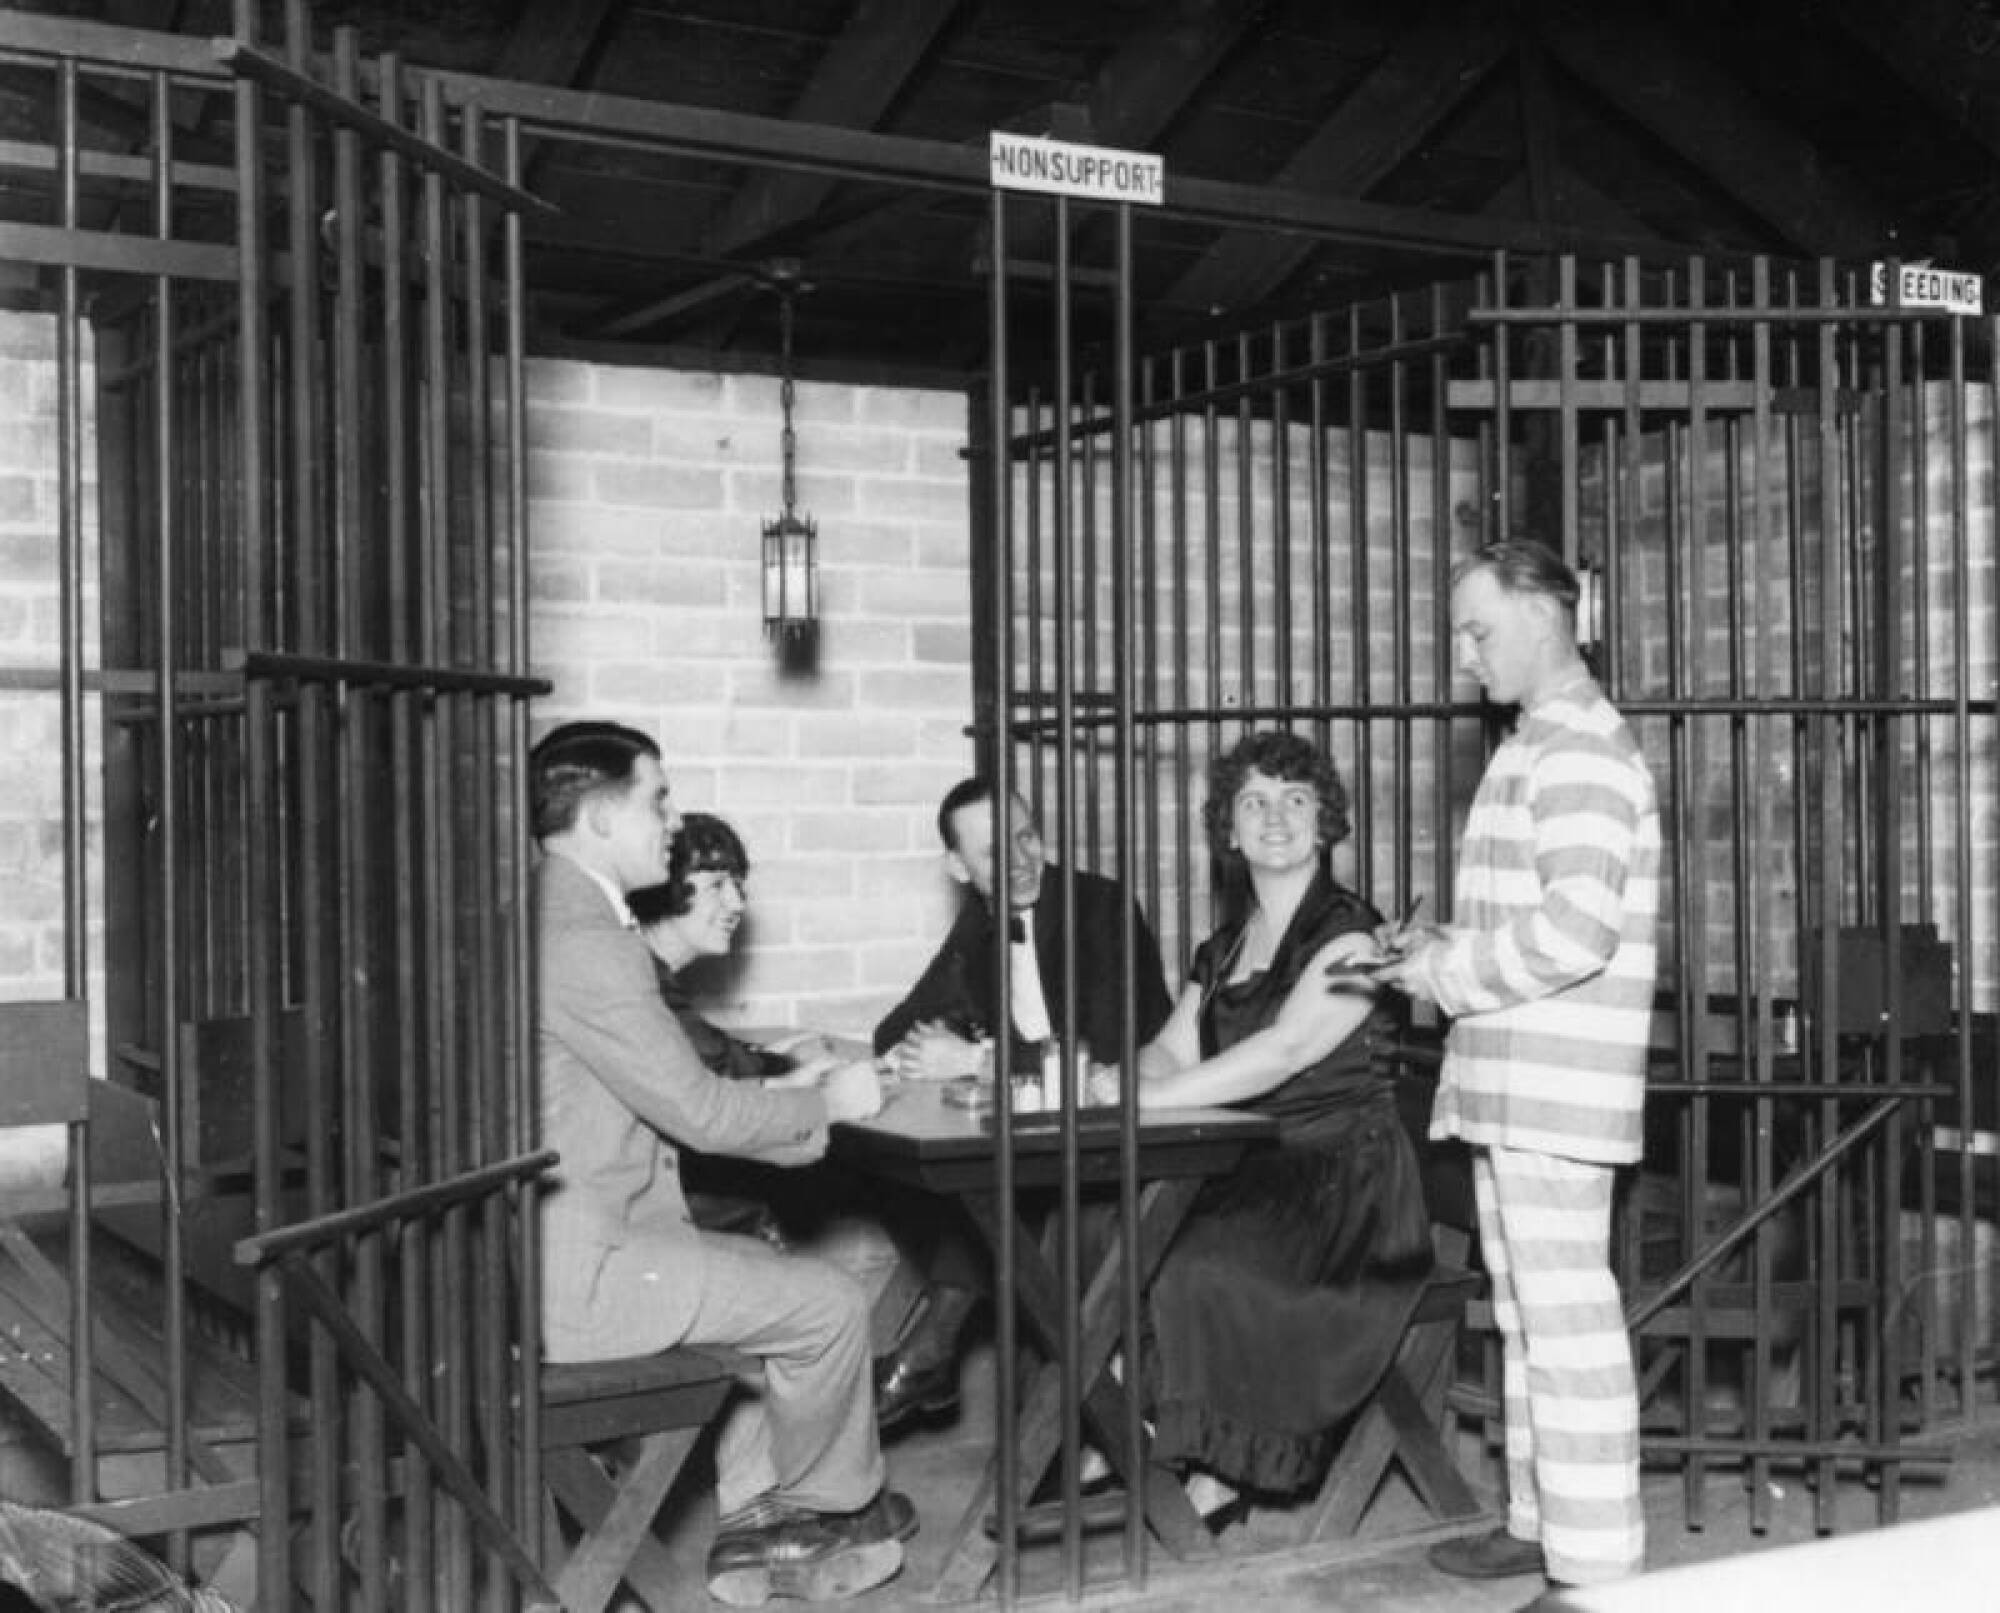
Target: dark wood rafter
column 1145, row 86
column 857, row 81
column 1586, row 207
column 552, row 43
column 1548, row 181
column 1948, row 53
column 1428, row 72
column 1717, row 126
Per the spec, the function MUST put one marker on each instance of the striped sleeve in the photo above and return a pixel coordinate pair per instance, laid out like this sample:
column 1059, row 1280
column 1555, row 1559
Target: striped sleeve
column 1549, row 855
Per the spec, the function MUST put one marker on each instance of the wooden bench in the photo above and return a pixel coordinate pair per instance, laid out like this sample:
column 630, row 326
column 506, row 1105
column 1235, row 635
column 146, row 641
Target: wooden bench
column 615, row 1435
column 1404, row 1423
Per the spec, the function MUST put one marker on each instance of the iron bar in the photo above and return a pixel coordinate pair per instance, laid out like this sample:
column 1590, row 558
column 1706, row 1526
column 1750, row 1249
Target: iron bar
column 998, row 759
column 294, row 82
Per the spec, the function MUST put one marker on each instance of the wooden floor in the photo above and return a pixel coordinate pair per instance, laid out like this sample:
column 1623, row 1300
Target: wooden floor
column 1385, row 1570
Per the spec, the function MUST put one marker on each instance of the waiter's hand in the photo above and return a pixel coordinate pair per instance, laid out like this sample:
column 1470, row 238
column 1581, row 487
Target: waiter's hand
column 935, row 1052
column 1101, row 1085
column 1402, row 967
column 852, row 1091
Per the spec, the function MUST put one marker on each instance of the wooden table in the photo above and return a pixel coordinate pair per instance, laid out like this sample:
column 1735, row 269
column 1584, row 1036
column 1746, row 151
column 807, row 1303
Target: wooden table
column 919, row 1140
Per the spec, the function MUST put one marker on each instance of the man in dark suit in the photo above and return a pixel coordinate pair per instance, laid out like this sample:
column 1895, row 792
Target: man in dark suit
column 625, row 1271
column 935, row 1032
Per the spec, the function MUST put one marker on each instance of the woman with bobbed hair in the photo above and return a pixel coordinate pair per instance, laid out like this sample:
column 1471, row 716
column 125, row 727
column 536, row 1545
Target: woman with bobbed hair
column 694, row 914
column 1289, row 1287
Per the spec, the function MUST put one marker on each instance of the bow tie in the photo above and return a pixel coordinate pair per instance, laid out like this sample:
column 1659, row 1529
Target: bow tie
column 1016, row 930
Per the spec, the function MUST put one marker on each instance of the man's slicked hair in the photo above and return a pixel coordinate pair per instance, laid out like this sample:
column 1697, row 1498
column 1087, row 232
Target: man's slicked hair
column 1524, row 566
column 575, row 761
column 966, row 792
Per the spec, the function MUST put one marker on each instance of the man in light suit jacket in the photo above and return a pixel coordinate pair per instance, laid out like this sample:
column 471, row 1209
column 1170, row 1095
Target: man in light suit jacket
column 804, row 1511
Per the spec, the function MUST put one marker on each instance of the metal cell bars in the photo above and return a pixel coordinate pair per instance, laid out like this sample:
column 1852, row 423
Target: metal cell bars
column 318, row 534
column 1297, row 496
column 1058, row 679
column 1287, row 504
column 117, row 224
column 1774, row 485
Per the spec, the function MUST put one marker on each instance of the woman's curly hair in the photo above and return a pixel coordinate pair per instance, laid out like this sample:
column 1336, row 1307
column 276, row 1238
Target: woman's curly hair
column 1276, row 755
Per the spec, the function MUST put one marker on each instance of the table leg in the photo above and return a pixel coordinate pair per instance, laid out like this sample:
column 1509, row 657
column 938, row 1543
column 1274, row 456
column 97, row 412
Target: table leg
column 1107, row 1404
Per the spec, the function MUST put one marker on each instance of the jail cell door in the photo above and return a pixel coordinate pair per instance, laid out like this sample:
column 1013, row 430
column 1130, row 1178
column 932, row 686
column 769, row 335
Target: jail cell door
column 1765, row 481
column 316, row 537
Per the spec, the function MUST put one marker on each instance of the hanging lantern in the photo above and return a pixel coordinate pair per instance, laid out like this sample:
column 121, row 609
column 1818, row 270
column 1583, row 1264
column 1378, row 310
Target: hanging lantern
column 791, row 540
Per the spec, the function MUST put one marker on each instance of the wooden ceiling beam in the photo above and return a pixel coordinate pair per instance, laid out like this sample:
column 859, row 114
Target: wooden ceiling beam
column 1945, row 50
column 1717, row 126
column 1145, row 85
column 1583, row 206
column 552, row 40
column 858, row 79
column 1426, row 74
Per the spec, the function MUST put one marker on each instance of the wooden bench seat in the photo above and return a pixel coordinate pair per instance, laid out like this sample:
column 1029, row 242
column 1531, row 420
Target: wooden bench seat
column 614, row 1438
column 1404, row 1423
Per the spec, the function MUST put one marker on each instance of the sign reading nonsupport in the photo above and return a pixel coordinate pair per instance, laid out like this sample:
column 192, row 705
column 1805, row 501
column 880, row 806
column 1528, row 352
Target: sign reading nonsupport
column 1918, row 285
column 1022, row 162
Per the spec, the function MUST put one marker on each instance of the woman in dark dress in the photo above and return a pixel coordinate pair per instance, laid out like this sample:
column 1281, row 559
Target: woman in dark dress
column 1286, row 1293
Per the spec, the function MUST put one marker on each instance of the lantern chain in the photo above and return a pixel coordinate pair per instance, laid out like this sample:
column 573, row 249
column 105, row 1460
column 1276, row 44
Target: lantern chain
column 787, row 439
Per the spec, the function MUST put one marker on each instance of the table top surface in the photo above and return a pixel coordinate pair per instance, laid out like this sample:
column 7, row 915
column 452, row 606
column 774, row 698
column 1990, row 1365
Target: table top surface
column 918, row 1128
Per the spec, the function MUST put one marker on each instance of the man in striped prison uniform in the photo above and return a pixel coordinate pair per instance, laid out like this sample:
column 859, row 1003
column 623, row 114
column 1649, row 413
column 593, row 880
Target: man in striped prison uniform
column 1547, row 972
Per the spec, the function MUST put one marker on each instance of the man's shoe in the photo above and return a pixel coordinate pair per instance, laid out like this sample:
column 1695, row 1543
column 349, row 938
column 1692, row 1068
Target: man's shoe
column 1495, row 1555
column 812, row 1556
column 904, row 1390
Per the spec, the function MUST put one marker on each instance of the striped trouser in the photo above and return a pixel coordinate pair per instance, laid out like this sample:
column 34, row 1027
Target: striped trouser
column 1571, row 1404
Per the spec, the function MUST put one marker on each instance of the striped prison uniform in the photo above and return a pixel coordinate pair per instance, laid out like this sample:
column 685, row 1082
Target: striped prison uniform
column 1547, row 970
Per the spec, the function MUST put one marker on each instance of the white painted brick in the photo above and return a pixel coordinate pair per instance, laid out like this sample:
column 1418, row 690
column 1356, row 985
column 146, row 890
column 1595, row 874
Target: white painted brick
column 656, row 486
column 568, row 476
column 920, row 498
column 911, row 409
column 668, row 391
column 593, row 431
column 762, row 686
column 663, row 584
column 901, row 784
column 757, row 492
column 861, row 735
column 865, row 643
column 848, row 832
column 916, row 690
column 915, row 593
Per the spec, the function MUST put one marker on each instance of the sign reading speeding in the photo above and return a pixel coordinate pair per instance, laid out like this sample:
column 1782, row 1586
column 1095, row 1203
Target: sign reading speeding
column 1918, row 285
column 1057, row 168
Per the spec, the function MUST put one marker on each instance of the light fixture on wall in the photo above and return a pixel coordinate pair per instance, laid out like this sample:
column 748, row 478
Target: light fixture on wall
column 791, row 540
column 1589, row 605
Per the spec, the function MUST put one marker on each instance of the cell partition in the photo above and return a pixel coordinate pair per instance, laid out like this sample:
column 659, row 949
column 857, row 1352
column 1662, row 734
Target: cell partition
column 1775, row 493
column 298, row 318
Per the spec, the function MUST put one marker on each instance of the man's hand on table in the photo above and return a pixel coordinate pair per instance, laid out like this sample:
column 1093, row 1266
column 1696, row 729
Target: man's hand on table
column 935, row 1052
column 853, row 1091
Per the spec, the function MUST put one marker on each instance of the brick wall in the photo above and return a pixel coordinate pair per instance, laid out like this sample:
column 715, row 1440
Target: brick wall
column 647, row 493
column 31, row 784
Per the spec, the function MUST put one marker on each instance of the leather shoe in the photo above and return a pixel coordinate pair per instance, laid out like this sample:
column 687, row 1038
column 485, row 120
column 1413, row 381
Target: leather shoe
column 812, row 1556
column 1494, row 1555
column 904, row 1390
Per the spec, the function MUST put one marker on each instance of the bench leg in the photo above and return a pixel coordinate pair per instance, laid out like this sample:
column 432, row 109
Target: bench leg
column 1399, row 1423
column 617, row 1519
